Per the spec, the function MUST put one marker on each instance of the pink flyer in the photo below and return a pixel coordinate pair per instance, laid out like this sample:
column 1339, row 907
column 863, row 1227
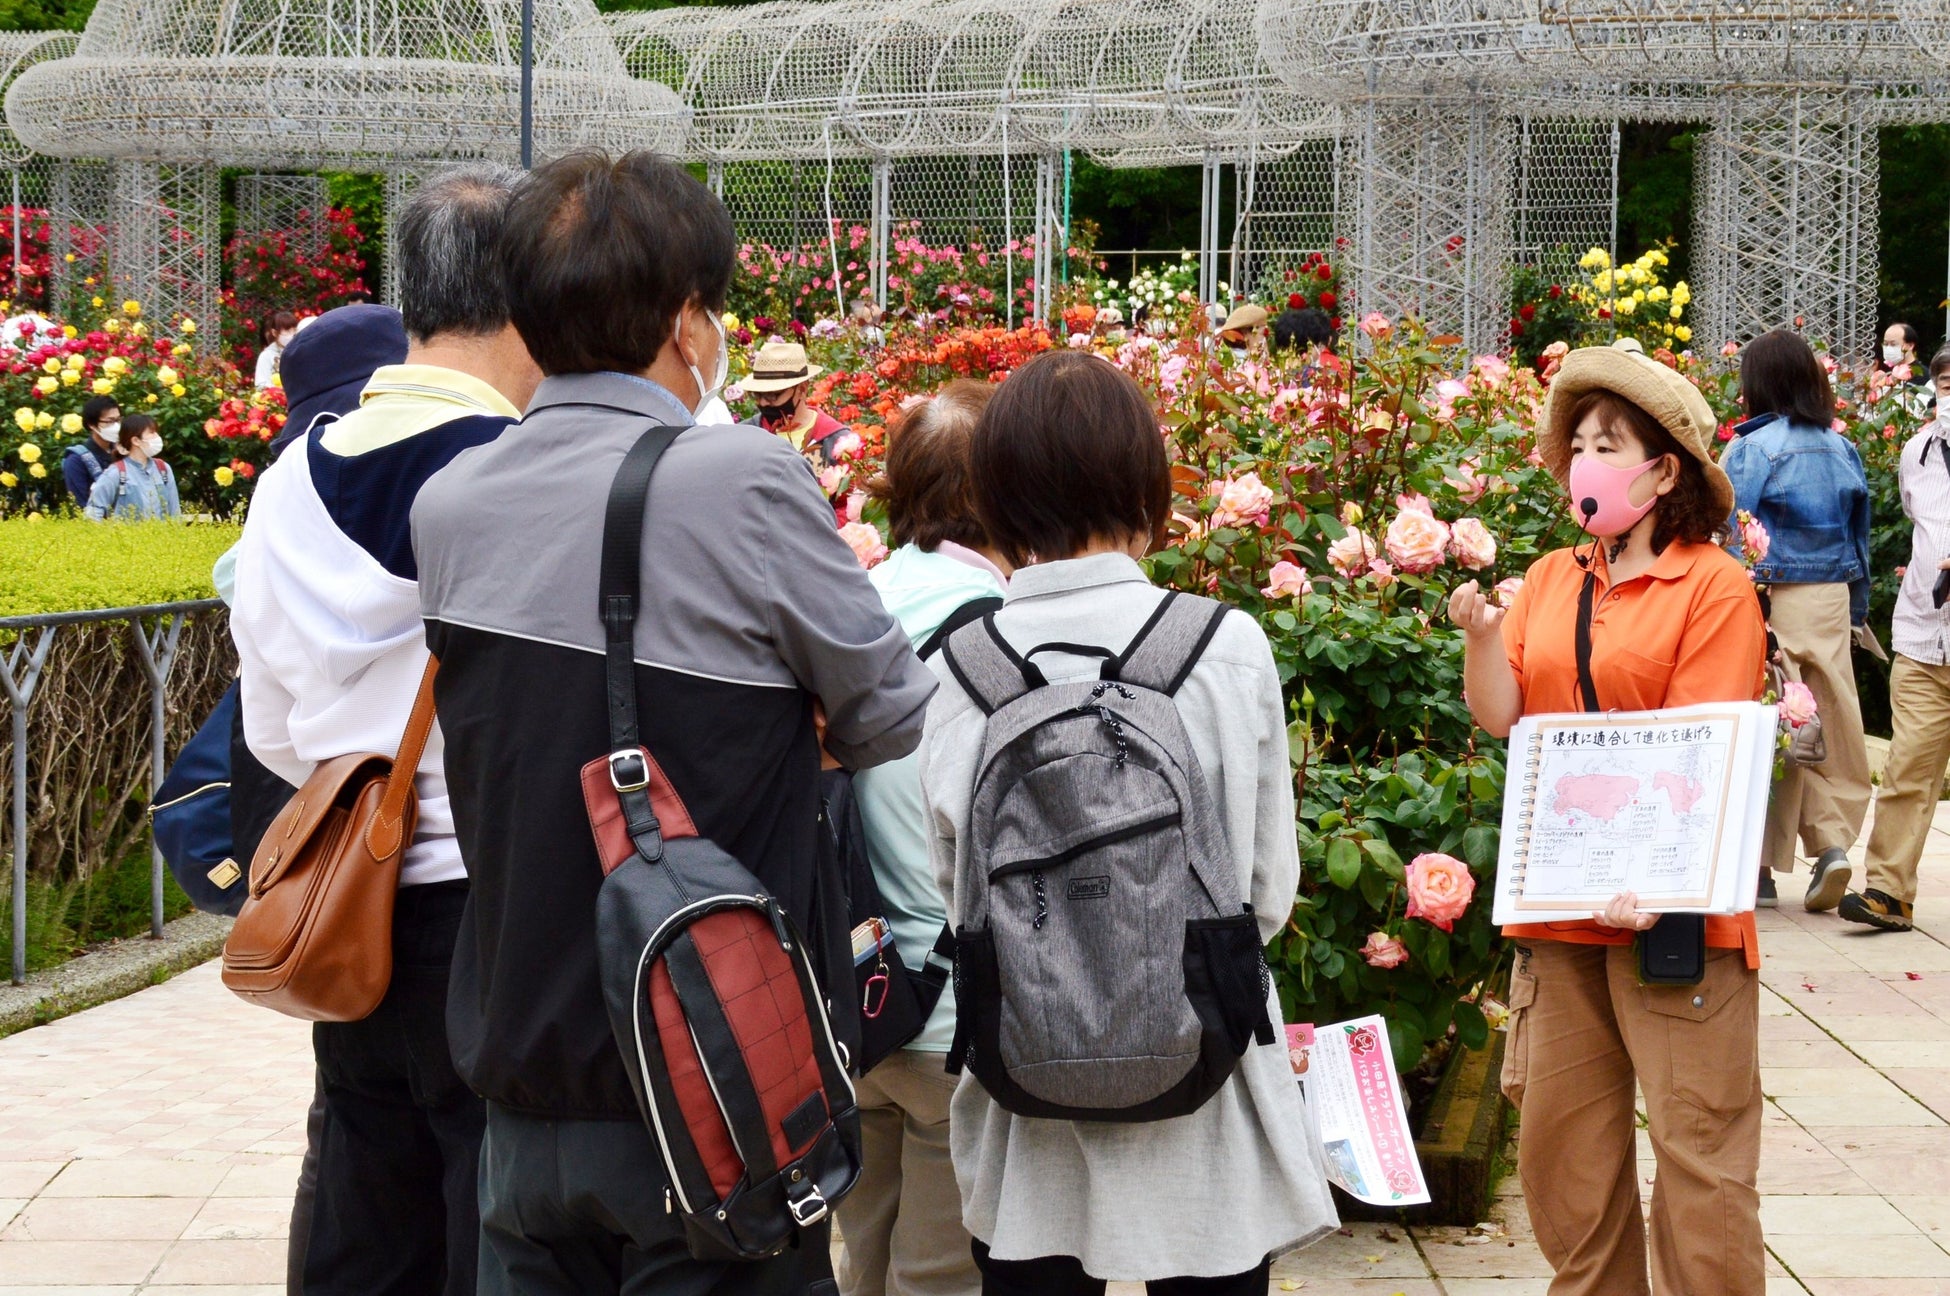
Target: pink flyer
column 1350, row 1082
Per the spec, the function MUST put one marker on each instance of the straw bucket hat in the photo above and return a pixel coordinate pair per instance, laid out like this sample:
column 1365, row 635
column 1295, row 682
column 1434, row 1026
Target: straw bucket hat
column 1244, row 318
column 1625, row 370
column 780, row 365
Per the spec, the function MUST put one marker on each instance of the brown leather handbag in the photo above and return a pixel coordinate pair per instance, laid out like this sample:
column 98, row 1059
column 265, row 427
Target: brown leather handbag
column 315, row 936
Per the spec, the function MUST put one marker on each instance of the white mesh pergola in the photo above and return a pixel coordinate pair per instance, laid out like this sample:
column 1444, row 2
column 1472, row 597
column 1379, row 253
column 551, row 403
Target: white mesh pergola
column 170, row 90
column 1791, row 93
column 32, row 182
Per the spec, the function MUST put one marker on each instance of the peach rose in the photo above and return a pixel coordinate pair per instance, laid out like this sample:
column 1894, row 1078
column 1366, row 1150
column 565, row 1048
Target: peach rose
column 1416, row 541
column 1376, row 325
column 864, row 539
column 1242, row 501
column 1797, row 704
column 1384, row 951
column 1415, row 502
column 1350, row 554
column 1506, row 591
column 1439, row 889
column 1381, row 574
column 1472, row 544
column 1754, row 540
column 1287, row 580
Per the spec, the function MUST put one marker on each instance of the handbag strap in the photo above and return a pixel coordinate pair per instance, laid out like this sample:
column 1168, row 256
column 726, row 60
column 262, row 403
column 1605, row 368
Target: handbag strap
column 620, row 587
column 385, row 833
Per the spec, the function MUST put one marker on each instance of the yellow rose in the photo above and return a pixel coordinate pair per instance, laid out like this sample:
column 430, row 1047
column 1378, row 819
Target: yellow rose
column 224, row 476
column 1683, row 333
column 38, row 470
column 97, row 303
column 43, row 421
column 70, row 258
column 112, row 326
column 150, row 399
column 1602, row 281
column 103, row 386
column 70, row 378
column 45, row 385
column 1657, row 293
column 24, row 418
column 139, row 329
column 115, row 365
column 165, row 375
column 1596, row 259
column 1674, row 313
column 177, row 389
column 68, row 331
column 89, row 282
column 76, row 362
column 35, row 516
column 29, row 452
column 8, row 480
column 52, row 365
column 71, row 423
column 1626, row 306
column 188, row 326
column 1638, row 294
column 181, row 350
column 132, row 309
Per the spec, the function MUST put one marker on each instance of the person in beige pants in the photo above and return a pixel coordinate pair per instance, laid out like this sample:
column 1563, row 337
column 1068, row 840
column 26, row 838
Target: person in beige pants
column 1805, row 486
column 1919, row 682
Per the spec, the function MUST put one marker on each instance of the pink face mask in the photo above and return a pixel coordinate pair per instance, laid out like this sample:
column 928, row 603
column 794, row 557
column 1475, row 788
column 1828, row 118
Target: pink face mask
column 1601, row 496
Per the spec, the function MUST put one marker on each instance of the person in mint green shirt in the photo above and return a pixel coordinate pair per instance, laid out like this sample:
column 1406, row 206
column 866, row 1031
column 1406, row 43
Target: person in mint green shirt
column 901, row 1226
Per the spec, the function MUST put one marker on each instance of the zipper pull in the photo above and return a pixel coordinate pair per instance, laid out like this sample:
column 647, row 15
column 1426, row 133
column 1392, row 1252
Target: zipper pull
column 669, row 1206
column 778, row 924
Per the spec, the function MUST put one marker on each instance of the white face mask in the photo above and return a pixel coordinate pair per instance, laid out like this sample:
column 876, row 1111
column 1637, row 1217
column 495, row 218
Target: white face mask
column 284, row 339
column 723, row 370
column 1943, row 406
column 151, row 444
column 109, row 431
column 1892, row 355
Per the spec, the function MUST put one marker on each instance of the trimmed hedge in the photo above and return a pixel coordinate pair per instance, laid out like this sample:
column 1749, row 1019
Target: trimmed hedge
column 72, row 564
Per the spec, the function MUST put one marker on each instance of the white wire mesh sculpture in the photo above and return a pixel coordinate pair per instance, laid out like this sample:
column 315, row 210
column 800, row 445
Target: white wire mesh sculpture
column 30, row 182
column 325, row 83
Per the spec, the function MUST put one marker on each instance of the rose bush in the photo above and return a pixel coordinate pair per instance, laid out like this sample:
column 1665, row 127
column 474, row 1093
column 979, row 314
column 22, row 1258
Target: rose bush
column 273, row 271
column 214, row 439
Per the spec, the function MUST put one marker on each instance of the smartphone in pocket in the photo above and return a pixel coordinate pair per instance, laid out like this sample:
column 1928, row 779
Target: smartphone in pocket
column 1672, row 951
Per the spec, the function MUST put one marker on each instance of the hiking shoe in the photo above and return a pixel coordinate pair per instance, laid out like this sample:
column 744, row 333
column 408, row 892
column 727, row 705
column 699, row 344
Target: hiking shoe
column 1830, row 882
column 1877, row 910
column 1767, row 897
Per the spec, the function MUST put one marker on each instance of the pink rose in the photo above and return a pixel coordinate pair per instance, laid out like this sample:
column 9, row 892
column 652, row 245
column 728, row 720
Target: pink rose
column 1506, row 591
column 1350, row 554
column 1467, row 483
column 1381, row 574
column 1472, row 544
column 1439, row 889
column 1797, row 704
column 1416, row 541
column 1242, row 501
column 1384, row 951
column 855, row 501
column 1287, row 580
column 1754, row 540
column 1416, row 502
column 1495, row 369
column 864, row 538
column 1376, row 325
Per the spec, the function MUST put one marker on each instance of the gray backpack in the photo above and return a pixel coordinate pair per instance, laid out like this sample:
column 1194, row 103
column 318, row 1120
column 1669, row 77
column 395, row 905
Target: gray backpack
column 1108, row 970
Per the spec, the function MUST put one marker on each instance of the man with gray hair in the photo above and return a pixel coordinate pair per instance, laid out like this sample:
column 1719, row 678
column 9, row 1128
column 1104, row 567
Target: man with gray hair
column 327, row 624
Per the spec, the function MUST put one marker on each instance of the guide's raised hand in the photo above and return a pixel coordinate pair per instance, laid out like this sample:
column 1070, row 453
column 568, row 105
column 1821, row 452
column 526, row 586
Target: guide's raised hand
column 1622, row 911
column 1471, row 608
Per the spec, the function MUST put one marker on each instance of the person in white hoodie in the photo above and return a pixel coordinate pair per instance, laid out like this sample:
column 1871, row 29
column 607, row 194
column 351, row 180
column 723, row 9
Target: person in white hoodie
column 327, row 624
column 901, row 1226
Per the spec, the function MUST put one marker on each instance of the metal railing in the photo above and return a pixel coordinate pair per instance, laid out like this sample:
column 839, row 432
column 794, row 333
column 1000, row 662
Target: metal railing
column 25, row 660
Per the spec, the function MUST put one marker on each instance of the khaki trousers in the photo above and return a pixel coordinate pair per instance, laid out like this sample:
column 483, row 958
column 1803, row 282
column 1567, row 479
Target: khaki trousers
column 1919, row 705
column 900, row 1228
column 1582, row 1032
column 1823, row 804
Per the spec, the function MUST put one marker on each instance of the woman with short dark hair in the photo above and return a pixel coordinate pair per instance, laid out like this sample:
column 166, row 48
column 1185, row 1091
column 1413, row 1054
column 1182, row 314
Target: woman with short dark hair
column 276, row 335
column 1072, row 482
column 1805, row 484
column 901, row 1227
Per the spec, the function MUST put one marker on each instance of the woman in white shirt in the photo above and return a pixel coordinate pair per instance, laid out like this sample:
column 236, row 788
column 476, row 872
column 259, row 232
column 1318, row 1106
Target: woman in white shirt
column 278, row 332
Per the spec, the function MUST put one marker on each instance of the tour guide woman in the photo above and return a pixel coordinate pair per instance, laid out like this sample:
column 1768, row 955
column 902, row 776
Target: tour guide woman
column 1674, row 622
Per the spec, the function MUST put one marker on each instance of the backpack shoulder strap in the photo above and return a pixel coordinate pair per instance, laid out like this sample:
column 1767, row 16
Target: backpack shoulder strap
column 987, row 668
column 973, row 610
column 1169, row 645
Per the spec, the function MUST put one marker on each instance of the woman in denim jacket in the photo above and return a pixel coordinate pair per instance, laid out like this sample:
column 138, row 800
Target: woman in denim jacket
column 1805, row 484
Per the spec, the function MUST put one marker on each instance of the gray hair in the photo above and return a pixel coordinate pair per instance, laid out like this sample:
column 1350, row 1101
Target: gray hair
column 448, row 240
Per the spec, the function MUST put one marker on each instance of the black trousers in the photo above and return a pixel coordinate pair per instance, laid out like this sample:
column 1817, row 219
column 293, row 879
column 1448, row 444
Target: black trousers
column 1064, row 1276
column 396, row 1213
column 576, row 1208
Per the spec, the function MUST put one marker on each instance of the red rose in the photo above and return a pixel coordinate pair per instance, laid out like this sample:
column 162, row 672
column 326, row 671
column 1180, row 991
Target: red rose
column 1363, row 1041
column 1334, row 323
column 1527, row 312
column 1295, row 301
column 1557, row 290
column 1516, row 328
column 1328, row 300
column 1325, row 271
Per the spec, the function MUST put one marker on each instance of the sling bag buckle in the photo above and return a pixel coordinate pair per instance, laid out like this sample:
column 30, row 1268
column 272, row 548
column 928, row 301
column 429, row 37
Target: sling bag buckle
column 628, row 771
column 809, row 1209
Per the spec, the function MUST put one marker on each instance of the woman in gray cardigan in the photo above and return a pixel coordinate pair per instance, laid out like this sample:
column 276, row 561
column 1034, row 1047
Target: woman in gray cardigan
column 1072, row 483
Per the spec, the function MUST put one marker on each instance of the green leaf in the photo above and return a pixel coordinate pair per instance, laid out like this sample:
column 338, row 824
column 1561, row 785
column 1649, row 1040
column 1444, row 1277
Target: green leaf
column 1472, row 1028
column 1479, row 846
column 1343, row 862
column 1384, row 855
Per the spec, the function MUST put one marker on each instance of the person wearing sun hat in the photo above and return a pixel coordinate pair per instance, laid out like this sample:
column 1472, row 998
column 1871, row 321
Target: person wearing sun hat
column 1243, row 327
column 780, row 379
column 1673, row 620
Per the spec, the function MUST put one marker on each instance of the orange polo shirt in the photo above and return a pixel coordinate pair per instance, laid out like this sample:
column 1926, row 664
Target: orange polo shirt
column 1687, row 631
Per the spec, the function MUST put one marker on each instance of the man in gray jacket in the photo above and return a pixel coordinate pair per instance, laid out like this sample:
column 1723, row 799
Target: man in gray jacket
column 753, row 613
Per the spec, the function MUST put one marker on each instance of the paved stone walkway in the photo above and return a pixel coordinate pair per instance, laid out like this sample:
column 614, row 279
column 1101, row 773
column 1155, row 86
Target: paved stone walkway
column 150, row 1145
